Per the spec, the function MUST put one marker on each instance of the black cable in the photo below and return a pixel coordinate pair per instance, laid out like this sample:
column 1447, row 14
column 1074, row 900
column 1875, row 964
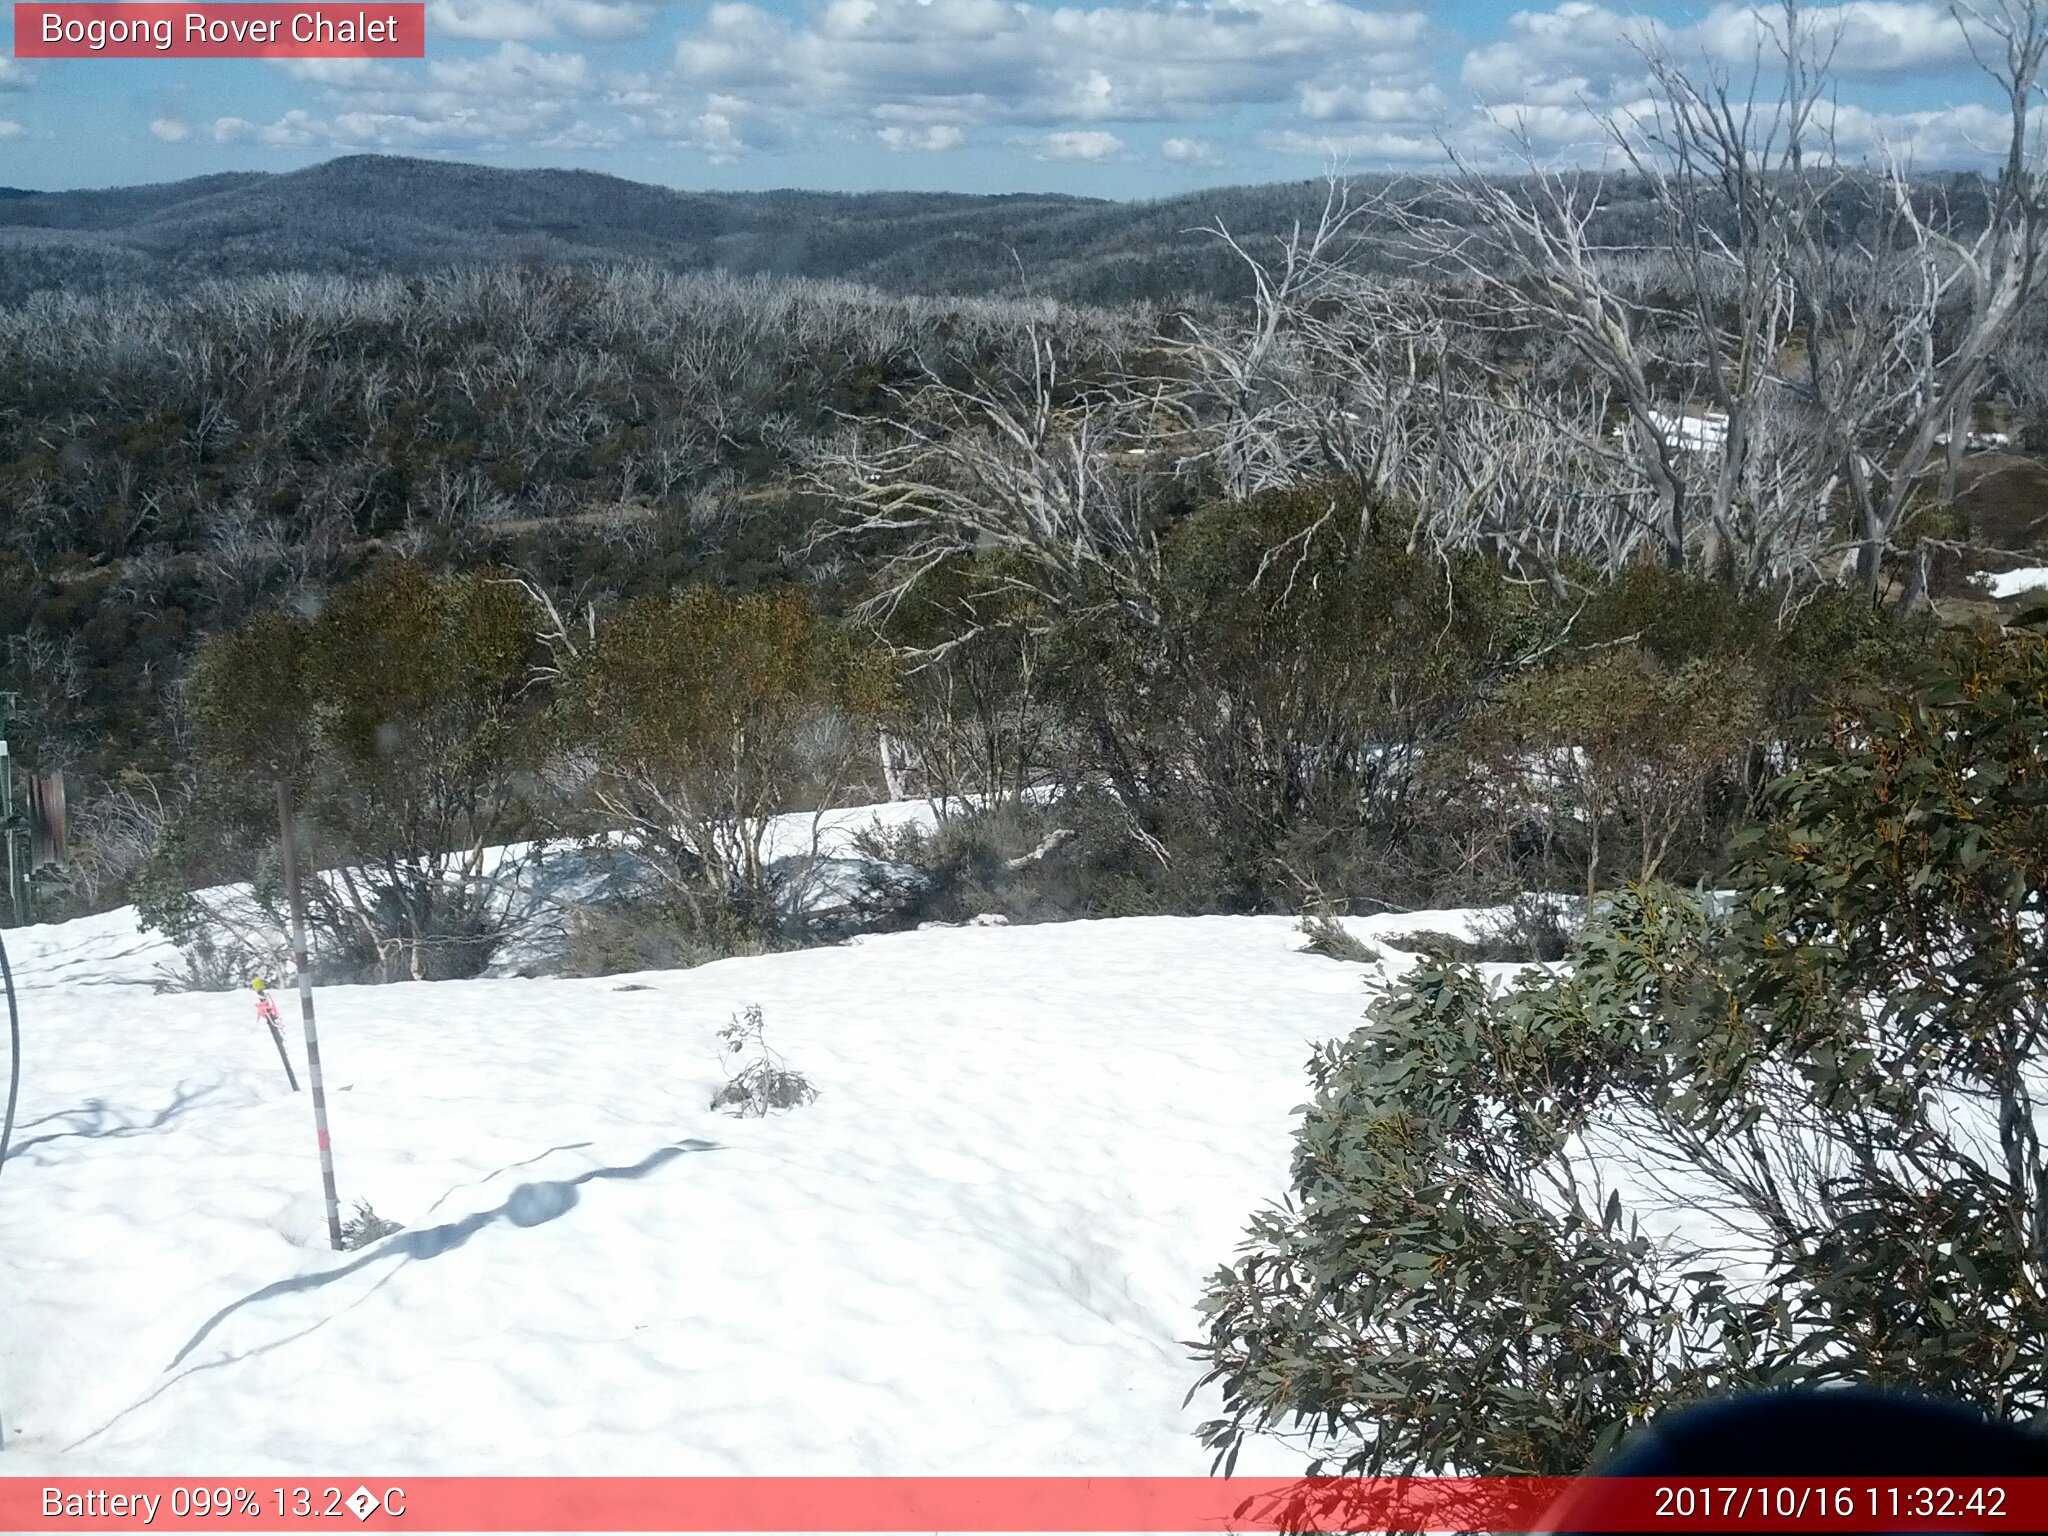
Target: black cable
column 13, row 1055
column 13, row 1068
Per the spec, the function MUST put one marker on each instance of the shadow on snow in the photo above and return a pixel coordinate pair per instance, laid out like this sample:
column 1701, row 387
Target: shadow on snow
column 529, row 1205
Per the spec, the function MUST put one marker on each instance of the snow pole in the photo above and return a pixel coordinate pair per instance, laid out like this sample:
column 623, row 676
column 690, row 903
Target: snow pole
column 13, row 1073
column 288, row 842
column 266, row 1011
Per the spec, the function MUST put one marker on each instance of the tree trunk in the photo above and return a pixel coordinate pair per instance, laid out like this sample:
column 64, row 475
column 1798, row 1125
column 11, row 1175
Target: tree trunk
column 1916, row 587
column 891, row 775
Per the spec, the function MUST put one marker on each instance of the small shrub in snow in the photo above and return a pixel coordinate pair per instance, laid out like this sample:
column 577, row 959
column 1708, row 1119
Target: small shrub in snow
column 1443, row 948
column 708, row 714
column 1536, row 926
column 1327, row 936
column 365, row 1227
column 216, row 963
column 656, row 933
column 763, row 1082
column 1621, row 754
column 963, row 865
column 1026, row 862
column 1533, row 929
column 412, row 747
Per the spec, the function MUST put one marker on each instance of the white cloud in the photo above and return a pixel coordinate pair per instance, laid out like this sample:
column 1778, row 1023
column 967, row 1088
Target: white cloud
column 1371, row 103
column 15, row 75
column 1578, row 51
column 1557, row 73
column 911, row 74
column 527, row 21
column 1556, row 132
column 496, row 20
column 514, row 68
column 10, row 129
column 1862, row 37
column 1072, row 144
column 1066, row 80
column 716, row 130
column 172, row 130
column 1361, row 149
column 356, row 74
column 294, row 130
column 583, row 135
column 513, row 95
column 1947, row 137
column 1583, row 51
column 602, row 20
column 938, row 136
column 721, row 126
column 976, row 61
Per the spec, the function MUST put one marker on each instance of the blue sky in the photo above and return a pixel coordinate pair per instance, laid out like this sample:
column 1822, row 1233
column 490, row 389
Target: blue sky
column 1096, row 97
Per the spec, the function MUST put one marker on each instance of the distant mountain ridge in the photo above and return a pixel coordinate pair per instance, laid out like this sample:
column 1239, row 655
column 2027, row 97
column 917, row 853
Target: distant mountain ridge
column 372, row 214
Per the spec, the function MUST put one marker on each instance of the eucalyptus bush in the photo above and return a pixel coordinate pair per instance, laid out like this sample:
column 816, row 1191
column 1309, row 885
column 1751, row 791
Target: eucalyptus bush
column 703, row 716
column 1783, row 1137
column 400, row 716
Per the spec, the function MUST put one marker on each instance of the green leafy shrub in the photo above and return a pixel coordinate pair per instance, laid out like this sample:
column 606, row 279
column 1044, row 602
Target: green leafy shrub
column 1273, row 724
column 1785, row 1139
column 1619, row 754
column 400, row 717
column 703, row 716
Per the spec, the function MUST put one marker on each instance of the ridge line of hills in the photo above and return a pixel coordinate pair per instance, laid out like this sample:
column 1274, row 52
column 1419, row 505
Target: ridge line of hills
column 380, row 215
column 372, row 214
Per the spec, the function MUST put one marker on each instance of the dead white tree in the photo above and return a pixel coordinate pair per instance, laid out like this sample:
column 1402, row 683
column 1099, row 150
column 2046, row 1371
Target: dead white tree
column 1894, row 367
column 1247, row 379
column 1831, row 361
column 1527, row 253
column 1511, row 479
column 1021, row 472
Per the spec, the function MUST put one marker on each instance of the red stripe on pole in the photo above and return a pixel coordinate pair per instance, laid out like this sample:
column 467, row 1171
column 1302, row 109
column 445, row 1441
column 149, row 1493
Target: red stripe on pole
column 1013, row 1504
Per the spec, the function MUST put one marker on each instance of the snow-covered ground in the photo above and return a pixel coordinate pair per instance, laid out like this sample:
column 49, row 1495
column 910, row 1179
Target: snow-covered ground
column 978, row 1252
column 2003, row 584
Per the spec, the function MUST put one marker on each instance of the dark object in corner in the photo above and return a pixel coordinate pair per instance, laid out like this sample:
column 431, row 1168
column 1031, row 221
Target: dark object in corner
column 1846, row 1432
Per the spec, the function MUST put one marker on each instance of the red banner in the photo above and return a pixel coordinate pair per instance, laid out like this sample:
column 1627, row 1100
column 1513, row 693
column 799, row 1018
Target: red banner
column 214, row 30
column 1000, row 1504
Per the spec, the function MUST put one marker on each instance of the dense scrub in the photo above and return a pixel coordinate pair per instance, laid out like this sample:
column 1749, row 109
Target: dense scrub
column 169, row 466
column 1367, row 726
column 1371, row 727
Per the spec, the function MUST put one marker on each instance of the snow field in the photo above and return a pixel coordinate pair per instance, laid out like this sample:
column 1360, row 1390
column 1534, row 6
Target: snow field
column 978, row 1252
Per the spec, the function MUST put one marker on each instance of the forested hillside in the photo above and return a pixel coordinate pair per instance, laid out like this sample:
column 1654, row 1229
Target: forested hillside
column 377, row 215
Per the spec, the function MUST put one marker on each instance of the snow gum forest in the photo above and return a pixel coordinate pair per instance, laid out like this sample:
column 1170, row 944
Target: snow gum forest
column 1386, row 824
